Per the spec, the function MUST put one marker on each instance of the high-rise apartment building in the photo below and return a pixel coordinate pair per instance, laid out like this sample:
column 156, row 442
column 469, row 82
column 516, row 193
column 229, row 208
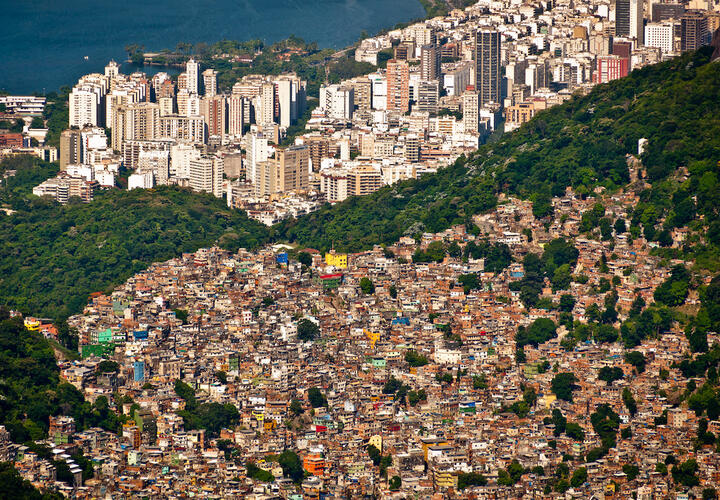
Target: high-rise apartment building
column 210, row 82
column 487, row 66
column 337, row 101
column 293, row 166
column 85, row 106
column 663, row 11
column 206, row 175
column 183, row 128
column 214, row 111
column 611, row 68
column 412, row 148
column 265, row 109
column 629, row 16
column 428, row 96
column 362, row 93
column 139, row 121
column 398, row 86
column 236, row 114
column 693, row 31
column 287, row 171
column 192, row 72
column 660, row 35
column 471, row 111
column 70, row 148
column 257, row 152
column 429, row 62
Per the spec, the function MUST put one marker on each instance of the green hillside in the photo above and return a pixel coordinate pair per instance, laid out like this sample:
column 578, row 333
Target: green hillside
column 582, row 143
column 52, row 257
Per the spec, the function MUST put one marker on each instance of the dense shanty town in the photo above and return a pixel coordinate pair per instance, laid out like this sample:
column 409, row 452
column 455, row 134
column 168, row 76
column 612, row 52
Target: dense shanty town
column 387, row 372
column 441, row 88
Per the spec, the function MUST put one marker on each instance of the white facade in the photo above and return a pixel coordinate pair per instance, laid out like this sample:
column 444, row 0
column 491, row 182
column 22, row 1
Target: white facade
column 206, row 174
column 192, row 69
column 337, row 102
column 660, row 35
column 85, row 106
column 141, row 181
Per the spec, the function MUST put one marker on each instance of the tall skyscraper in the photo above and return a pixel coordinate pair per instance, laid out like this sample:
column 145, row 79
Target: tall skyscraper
column 210, row 82
column 192, row 70
column 398, row 86
column 487, row 65
column 629, row 16
column 429, row 62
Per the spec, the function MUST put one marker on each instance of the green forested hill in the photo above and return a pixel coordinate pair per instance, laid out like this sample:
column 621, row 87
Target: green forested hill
column 582, row 143
column 52, row 257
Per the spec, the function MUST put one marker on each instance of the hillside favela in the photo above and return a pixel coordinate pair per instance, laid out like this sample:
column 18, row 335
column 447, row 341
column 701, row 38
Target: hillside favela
column 475, row 255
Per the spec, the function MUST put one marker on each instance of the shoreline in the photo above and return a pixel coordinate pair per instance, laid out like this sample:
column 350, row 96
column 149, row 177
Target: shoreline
column 423, row 4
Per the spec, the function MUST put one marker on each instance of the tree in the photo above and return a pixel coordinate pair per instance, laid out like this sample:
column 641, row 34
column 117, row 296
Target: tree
column 374, row 454
column 469, row 281
column 305, row 259
column 685, row 473
column 674, row 290
column 610, row 374
column 393, row 291
column 291, row 465
column 574, row 431
column 414, row 397
column 629, row 401
column 540, row 331
column 579, row 477
column 414, row 359
column 395, row 483
column 567, row 302
column 296, row 407
column 316, row 398
column 631, row 471
column 469, row 479
column 367, row 286
column 562, row 385
column 106, row 366
column 636, row 359
column 307, row 330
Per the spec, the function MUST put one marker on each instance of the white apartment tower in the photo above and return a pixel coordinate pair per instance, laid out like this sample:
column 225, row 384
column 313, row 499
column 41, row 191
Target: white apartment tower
column 660, row 35
column 85, row 107
column 192, row 69
column 206, row 175
column 337, row 101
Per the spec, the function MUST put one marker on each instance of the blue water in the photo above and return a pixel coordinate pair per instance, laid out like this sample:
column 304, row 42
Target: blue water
column 44, row 42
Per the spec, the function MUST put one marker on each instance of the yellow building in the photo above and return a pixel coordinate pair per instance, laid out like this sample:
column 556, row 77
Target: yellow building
column 32, row 324
column 376, row 441
column 445, row 479
column 338, row 260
